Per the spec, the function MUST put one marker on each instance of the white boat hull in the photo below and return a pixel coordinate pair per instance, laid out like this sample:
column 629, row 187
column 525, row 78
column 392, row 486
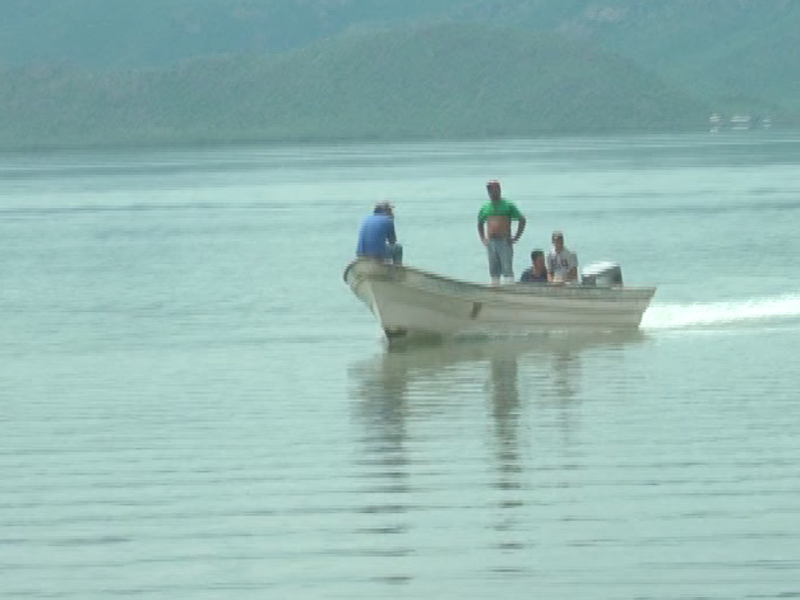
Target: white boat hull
column 411, row 302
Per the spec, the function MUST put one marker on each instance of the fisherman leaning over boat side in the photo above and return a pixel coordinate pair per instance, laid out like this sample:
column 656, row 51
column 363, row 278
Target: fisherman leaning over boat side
column 562, row 264
column 377, row 237
column 494, row 229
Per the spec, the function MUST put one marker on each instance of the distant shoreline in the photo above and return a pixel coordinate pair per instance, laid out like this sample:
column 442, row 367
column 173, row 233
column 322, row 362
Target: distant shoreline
column 178, row 142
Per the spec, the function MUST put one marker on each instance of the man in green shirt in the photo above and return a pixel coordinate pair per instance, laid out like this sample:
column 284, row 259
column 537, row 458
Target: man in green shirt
column 494, row 229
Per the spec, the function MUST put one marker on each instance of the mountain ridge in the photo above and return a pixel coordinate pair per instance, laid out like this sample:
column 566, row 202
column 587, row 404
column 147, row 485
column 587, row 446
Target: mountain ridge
column 445, row 80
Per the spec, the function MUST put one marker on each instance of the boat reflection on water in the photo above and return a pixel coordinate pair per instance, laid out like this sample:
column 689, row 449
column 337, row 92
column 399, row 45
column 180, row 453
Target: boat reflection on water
column 410, row 395
column 412, row 380
column 386, row 378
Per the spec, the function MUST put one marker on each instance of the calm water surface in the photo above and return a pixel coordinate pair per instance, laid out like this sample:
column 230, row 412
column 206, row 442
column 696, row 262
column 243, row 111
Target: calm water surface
column 193, row 405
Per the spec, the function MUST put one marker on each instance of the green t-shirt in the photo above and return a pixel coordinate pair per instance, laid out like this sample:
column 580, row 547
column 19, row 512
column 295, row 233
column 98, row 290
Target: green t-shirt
column 502, row 208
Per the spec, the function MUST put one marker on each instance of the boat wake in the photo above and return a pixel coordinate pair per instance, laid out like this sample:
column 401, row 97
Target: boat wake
column 688, row 316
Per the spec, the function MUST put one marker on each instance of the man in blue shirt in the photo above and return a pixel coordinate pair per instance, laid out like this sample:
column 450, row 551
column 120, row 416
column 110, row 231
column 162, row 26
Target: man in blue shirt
column 377, row 237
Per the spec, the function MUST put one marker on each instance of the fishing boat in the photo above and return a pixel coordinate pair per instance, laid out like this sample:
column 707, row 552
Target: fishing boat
column 410, row 302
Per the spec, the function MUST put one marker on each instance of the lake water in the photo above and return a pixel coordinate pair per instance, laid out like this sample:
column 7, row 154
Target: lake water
column 193, row 404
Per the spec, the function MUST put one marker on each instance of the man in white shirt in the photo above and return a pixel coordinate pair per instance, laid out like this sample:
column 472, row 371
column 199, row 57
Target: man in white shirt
column 562, row 264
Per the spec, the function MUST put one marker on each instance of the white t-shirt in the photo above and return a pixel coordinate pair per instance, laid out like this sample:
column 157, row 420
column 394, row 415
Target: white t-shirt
column 560, row 263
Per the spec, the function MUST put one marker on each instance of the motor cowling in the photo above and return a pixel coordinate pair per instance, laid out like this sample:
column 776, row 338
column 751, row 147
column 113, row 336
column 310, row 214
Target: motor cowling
column 603, row 274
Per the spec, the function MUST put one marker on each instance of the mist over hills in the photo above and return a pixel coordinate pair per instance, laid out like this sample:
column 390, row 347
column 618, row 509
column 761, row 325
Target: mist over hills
column 437, row 81
column 85, row 71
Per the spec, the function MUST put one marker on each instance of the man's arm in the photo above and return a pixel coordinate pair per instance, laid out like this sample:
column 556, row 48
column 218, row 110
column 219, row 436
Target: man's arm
column 520, row 229
column 573, row 268
column 481, row 232
column 391, row 235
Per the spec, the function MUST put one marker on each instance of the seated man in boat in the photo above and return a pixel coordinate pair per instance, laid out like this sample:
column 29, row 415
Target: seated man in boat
column 494, row 229
column 562, row 264
column 377, row 237
column 537, row 272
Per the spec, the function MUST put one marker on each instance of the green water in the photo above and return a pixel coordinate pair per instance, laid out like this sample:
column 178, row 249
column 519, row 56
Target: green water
column 195, row 406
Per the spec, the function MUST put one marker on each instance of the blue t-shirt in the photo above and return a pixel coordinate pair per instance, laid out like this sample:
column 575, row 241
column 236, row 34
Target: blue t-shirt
column 376, row 231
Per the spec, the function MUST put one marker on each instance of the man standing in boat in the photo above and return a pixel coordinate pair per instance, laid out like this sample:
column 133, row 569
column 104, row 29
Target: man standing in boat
column 494, row 229
column 377, row 237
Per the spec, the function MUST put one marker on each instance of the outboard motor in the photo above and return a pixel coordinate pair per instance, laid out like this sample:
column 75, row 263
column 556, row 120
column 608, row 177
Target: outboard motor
column 603, row 274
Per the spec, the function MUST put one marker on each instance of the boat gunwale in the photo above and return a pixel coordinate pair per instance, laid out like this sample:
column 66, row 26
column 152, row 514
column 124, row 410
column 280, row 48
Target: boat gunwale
column 515, row 289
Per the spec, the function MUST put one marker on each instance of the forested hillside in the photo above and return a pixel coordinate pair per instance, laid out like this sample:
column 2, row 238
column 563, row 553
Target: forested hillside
column 439, row 81
column 156, row 69
column 733, row 52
